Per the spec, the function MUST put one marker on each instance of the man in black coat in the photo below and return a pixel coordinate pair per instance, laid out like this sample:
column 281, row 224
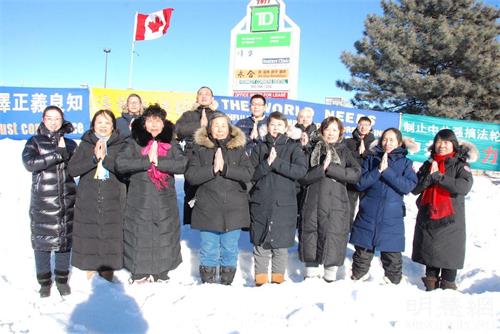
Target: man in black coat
column 185, row 127
column 359, row 145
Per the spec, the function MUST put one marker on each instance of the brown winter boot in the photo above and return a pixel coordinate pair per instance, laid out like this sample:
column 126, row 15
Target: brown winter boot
column 107, row 275
column 260, row 279
column 430, row 282
column 445, row 285
column 277, row 278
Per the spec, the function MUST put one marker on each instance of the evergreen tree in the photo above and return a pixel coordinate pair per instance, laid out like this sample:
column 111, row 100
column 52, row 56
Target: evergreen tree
column 429, row 57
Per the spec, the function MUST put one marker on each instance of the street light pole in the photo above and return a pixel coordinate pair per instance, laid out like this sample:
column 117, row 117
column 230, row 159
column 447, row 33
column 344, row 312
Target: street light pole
column 106, row 51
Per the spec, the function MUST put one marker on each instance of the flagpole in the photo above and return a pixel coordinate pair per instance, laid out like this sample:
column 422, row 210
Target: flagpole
column 132, row 55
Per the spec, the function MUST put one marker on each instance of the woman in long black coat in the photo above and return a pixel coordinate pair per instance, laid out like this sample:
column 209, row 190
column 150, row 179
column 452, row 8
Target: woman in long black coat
column 100, row 199
column 324, row 229
column 220, row 168
column 439, row 239
column 46, row 155
column 151, row 230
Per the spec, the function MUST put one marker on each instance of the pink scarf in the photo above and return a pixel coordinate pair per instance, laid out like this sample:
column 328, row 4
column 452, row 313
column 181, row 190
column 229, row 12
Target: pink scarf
column 158, row 177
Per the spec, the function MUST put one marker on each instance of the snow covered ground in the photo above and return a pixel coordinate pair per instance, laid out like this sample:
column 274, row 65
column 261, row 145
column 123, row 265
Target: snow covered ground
column 183, row 305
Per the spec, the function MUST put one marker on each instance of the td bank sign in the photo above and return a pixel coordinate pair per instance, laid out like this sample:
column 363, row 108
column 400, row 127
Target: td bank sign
column 265, row 18
column 264, row 52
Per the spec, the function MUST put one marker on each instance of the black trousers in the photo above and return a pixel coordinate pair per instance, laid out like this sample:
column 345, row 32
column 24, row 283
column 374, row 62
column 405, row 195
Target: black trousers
column 447, row 274
column 392, row 262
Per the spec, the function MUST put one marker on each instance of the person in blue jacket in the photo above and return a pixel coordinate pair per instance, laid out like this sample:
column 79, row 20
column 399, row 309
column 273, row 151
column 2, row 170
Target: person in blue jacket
column 387, row 176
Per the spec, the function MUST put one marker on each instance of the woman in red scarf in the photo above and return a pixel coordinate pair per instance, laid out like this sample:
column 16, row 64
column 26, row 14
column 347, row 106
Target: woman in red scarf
column 439, row 239
column 151, row 227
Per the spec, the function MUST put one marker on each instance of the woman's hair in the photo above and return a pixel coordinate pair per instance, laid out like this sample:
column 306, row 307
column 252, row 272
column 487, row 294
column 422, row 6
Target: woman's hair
column 134, row 95
column 329, row 120
column 277, row 115
column 398, row 134
column 154, row 110
column 106, row 112
column 215, row 115
column 56, row 108
column 448, row 135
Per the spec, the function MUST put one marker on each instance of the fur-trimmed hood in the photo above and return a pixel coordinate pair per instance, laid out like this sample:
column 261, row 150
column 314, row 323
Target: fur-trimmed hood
column 409, row 143
column 321, row 148
column 142, row 137
column 238, row 138
column 467, row 151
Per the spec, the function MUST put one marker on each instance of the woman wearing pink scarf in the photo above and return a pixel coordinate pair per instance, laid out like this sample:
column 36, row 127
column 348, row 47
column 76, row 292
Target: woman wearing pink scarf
column 151, row 227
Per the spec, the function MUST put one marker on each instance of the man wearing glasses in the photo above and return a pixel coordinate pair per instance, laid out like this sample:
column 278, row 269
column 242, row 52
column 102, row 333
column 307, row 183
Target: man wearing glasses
column 251, row 124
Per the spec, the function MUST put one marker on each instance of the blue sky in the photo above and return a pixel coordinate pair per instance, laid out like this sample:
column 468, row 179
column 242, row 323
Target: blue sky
column 59, row 43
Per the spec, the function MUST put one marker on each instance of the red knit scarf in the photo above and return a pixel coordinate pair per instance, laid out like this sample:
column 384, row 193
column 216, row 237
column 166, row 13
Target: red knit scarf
column 158, row 177
column 437, row 197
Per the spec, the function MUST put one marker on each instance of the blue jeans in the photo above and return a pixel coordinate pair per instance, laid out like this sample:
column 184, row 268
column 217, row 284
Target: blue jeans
column 219, row 248
column 42, row 261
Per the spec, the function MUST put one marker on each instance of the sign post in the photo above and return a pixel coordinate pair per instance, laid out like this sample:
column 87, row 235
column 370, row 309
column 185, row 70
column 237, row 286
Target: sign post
column 264, row 52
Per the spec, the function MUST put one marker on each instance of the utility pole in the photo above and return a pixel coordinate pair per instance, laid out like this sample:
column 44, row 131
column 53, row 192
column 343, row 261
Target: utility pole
column 106, row 51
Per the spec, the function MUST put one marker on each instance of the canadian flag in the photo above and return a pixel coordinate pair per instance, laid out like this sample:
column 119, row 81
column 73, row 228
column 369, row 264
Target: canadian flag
column 152, row 26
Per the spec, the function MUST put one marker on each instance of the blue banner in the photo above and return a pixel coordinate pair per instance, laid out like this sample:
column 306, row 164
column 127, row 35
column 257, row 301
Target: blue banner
column 239, row 107
column 21, row 109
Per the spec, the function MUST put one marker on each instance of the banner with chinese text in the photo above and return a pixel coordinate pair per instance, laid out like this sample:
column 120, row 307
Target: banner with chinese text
column 485, row 136
column 21, row 109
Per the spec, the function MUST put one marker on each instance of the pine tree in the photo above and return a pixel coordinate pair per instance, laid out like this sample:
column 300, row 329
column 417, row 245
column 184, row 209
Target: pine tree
column 429, row 57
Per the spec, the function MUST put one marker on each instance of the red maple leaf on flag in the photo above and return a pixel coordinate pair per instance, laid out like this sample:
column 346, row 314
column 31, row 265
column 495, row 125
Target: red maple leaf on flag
column 156, row 24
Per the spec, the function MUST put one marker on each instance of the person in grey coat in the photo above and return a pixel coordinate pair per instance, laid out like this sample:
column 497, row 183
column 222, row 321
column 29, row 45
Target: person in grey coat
column 133, row 110
column 220, row 168
column 46, row 156
column 100, row 199
column 324, row 229
column 439, row 238
column 151, row 227
column 279, row 162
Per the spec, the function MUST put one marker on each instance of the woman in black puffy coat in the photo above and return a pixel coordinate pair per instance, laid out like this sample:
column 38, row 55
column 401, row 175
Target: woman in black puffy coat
column 46, row 155
column 151, row 226
column 439, row 239
column 220, row 168
column 100, row 199
column 324, row 229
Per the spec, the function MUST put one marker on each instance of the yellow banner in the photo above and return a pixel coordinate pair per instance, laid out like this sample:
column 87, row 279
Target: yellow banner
column 115, row 99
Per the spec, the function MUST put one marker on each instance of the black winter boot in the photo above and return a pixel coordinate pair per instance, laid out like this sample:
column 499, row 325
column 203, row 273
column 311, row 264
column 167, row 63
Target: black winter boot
column 227, row 275
column 162, row 277
column 430, row 282
column 207, row 274
column 45, row 281
column 62, row 282
column 445, row 285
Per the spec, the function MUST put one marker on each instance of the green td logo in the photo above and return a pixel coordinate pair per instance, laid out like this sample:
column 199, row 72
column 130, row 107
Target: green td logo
column 265, row 19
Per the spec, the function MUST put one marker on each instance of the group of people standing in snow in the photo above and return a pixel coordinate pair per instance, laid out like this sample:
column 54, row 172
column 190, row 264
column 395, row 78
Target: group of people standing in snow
column 259, row 174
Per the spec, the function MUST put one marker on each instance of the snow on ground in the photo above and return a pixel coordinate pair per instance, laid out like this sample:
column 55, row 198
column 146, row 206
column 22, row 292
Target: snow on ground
column 183, row 305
